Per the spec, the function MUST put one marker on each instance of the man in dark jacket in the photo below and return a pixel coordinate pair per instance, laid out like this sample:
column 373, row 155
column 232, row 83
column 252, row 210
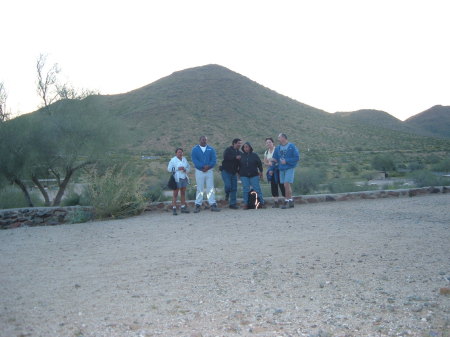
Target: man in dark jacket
column 230, row 167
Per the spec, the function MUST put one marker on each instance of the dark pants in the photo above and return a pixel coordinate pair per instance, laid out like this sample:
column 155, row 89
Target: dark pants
column 274, row 186
column 230, row 185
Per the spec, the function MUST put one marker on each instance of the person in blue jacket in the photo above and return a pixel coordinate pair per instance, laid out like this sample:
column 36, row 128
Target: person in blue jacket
column 287, row 156
column 204, row 158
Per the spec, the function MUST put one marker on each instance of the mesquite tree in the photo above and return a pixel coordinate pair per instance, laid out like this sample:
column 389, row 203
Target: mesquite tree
column 4, row 115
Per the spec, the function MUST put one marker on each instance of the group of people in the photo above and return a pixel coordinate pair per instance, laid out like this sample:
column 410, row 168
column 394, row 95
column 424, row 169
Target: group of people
column 239, row 161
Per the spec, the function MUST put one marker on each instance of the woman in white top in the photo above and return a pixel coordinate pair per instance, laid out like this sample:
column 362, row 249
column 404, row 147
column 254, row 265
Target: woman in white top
column 273, row 174
column 180, row 166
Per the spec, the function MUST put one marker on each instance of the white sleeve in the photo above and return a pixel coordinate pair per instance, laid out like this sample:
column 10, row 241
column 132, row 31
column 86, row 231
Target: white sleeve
column 170, row 166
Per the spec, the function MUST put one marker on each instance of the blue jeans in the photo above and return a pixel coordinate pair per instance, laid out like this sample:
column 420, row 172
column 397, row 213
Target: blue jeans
column 230, row 185
column 254, row 183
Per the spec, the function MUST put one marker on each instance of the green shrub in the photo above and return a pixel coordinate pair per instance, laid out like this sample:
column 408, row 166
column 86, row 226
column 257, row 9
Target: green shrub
column 72, row 199
column 425, row 178
column 154, row 193
column 115, row 193
column 191, row 192
column 383, row 162
column 416, row 166
column 13, row 197
column 348, row 185
column 307, row 180
column 442, row 166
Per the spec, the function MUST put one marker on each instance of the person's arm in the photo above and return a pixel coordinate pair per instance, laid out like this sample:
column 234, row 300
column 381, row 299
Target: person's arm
column 259, row 164
column 171, row 166
column 276, row 155
column 294, row 156
column 195, row 159
column 212, row 159
column 229, row 154
column 187, row 167
column 267, row 162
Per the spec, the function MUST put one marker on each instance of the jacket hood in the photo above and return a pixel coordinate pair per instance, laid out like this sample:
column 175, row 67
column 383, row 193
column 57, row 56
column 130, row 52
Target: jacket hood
column 247, row 143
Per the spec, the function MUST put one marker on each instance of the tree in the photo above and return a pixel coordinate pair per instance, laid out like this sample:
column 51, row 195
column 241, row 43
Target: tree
column 14, row 153
column 47, row 81
column 58, row 143
column 383, row 163
column 72, row 140
column 4, row 115
column 67, row 91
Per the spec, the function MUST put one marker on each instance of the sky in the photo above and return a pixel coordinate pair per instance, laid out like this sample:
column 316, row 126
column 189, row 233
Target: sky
column 346, row 55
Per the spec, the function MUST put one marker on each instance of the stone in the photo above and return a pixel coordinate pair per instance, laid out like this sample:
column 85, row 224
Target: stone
column 434, row 190
column 15, row 225
column 444, row 291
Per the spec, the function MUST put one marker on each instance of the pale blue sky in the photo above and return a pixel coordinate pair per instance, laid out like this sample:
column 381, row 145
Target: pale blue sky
column 391, row 55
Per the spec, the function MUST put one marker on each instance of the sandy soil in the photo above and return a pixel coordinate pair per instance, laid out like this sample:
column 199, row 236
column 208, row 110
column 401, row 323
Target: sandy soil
column 357, row 268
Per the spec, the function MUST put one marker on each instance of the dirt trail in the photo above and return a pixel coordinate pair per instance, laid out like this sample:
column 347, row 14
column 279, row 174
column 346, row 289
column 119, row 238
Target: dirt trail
column 357, row 268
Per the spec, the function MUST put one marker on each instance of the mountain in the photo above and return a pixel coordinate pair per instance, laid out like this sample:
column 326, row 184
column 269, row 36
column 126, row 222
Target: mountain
column 433, row 122
column 214, row 101
column 376, row 118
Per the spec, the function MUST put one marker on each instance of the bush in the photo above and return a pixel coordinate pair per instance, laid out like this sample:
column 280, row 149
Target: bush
column 307, row 180
column 154, row 193
column 425, row 178
column 191, row 192
column 416, row 166
column 72, row 199
column 12, row 197
column 383, row 162
column 442, row 166
column 347, row 185
column 115, row 193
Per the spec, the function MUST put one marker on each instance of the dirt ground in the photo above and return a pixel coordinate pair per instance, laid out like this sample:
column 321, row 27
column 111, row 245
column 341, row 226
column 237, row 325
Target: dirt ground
column 356, row 268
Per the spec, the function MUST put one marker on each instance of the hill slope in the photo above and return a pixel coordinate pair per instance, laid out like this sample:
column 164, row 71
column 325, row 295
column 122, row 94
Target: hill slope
column 215, row 101
column 375, row 118
column 434, row 121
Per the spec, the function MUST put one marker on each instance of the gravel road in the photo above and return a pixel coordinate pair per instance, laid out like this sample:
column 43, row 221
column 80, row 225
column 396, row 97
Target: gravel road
column 356, row 268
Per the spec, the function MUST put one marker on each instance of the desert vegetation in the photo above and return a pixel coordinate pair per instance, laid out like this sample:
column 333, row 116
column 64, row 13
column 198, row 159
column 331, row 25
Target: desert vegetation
column 82, row 148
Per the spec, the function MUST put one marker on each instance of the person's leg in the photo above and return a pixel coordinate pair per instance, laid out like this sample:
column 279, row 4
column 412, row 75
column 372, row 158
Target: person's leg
column 174, row 198
column 200, row 180
column 288, row 180
column 282, row 189
column 254, row 181
column 226, row 177
column 274, row 189
column 280, row 184
column 174, row 202
column 184, row 208
column 287, row 191
column 274, row 192
column 245, row 189
column 233, row 190
column 210, row 192
column 183, row 195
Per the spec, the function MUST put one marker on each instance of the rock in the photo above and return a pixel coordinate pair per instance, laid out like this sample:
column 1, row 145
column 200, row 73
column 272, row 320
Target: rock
column 444, row 291
column 417, row 308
